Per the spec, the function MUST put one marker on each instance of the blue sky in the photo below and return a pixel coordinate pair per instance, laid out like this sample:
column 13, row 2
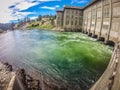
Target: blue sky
column 11, row 10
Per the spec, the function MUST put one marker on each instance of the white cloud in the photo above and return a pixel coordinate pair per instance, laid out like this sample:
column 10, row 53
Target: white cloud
column 6, row 14
column 33, row 17
column 50, row 8
column 79, row 1
column 48, row 0
column 11, row 9
column 83, row 1
column 25, row 5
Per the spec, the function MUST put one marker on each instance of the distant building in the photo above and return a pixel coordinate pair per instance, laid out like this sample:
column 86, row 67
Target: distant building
column 102, row 18
column 70, row 19
column 59, row 19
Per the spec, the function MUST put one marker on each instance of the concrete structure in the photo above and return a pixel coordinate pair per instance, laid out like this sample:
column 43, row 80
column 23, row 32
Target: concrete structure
column 59, row 19
column 70, row 19
column 102, row 18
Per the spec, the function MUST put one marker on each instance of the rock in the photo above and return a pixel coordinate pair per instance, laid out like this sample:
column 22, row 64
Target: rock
column 8, row 66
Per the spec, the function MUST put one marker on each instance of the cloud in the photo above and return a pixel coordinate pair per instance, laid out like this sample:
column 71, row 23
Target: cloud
column 50, row 8
column 48, row 0
column 83, row 1
column 79, row 1
column 11, row 9
column 25, row 5
column 34, row 17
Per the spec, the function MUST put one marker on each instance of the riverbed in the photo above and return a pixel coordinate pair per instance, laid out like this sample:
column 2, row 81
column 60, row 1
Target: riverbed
column 63, row 58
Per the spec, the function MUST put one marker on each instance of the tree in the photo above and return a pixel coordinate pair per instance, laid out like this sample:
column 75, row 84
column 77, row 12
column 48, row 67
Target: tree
column 39, row 18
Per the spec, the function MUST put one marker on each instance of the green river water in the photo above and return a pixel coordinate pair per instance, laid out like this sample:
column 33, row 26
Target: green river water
column 68, row 58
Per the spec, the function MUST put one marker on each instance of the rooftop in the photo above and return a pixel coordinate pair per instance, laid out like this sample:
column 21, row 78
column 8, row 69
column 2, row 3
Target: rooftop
column 60, row 10
column 89, row 4
column 73, row 7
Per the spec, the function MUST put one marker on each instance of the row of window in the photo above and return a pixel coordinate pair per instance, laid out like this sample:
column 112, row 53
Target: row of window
column 106, row 2
column 116, row 11
column 59, row 23
column 73, row 12
column 115, row 26
column 72, row 22
column 105, row 26
column 73, row 17
column 106, row 12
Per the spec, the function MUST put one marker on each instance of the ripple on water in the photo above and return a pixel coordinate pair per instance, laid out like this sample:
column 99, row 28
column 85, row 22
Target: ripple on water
column 70, row 58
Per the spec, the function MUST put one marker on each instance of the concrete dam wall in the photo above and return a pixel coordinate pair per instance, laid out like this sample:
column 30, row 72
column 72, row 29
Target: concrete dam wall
column 99, row 19
column 110, row 80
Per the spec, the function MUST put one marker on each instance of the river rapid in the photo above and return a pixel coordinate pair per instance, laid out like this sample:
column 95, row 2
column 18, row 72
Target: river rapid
column 62, row 58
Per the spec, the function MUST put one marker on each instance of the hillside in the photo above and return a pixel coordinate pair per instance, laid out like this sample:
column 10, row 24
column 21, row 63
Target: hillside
column 45, row 23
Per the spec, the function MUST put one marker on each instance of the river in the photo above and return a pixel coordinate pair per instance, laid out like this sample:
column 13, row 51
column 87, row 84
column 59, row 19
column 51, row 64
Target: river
column 63, row 58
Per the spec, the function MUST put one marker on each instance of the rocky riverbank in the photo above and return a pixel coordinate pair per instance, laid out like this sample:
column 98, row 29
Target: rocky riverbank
column 16, row 79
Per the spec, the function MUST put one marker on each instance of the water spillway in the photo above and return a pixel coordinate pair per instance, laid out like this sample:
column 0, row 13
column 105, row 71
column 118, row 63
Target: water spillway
column 63, row 58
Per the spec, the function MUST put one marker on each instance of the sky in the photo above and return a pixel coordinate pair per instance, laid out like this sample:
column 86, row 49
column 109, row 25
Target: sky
column 12, row 10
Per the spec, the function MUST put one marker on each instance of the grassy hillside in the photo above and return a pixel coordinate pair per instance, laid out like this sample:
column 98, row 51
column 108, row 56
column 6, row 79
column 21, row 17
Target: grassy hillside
column 47, row 25
column 44, row 26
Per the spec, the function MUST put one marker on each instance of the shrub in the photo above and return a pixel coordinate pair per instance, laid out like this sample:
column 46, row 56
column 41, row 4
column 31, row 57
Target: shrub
column 1, row 30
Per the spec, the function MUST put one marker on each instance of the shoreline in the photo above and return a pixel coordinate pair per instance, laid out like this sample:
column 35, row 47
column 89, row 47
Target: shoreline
column 19, row 79
column 11, row 79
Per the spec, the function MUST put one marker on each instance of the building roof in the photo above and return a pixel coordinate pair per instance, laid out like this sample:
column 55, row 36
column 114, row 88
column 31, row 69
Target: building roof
column 89, row 4
column 77, row 7
column 73, row 7
column 60, row 10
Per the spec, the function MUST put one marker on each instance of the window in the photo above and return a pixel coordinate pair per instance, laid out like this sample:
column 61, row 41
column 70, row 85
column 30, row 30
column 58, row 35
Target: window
column 67, row 22
column 76, row 17
column 80, row 22
column 99, row 14
column 115, row 26
column 58, row 18
column 67, row 11
column 92, row 25
column 105, row 26
column 72, row 16
column 58, row 23
column 72, row 11
column 76, row 12
column 106, row 2
column 116, row 11
column 93, row 14
column 106, row 12
column 76, row 22
column 89, row 15
column 71, row 22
